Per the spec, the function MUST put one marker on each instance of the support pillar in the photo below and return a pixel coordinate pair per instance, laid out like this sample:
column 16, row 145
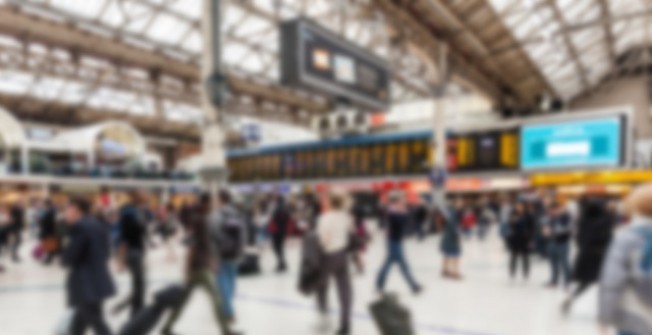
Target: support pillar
column 439, row 162
column 213, row 171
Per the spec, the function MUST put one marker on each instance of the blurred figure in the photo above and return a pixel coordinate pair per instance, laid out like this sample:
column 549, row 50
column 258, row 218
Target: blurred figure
column 361, row 233
column 279, row 226
column 469, row 221
column 504, row 218
column 167, row 228
column 558, row 232
column 229, row 226
column 334, row 229
column 485, row 218
column 48, row 232
column 420, row 214
column 451, row 244
column 541, row 210
column 131, row 252
column 520, row 238
column 201, row 262
column 89, row 282
column 5, row 223
column 398, row 220
column 594, row 232
column 626, row 279
column 17, row 215
column 262, row 216
column 33, row 214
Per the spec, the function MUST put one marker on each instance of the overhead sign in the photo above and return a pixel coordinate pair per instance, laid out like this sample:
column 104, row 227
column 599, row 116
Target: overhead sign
column 574, row 144
column 484, row 151
column 315, row 58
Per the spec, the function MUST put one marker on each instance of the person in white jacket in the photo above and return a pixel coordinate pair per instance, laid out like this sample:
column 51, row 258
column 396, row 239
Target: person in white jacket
column 334, row 229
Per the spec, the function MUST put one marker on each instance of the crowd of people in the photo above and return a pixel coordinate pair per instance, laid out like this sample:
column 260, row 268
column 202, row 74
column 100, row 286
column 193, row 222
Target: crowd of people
column 222, row 236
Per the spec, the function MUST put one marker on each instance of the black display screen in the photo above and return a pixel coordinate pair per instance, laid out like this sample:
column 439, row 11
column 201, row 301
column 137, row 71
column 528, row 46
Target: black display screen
column 315, row 58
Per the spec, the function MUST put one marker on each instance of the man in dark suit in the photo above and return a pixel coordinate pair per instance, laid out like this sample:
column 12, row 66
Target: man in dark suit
column 89, row 282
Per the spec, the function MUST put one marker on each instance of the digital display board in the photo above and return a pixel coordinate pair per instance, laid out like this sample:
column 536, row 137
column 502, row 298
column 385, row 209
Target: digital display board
column 315, row 58
column 585, row 143
column 484, row 151
column 403, row 157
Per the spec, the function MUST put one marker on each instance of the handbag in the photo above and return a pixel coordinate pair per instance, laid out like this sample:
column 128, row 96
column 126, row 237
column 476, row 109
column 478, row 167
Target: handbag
column 356, row 242
column 64, row 327
column 50, row 244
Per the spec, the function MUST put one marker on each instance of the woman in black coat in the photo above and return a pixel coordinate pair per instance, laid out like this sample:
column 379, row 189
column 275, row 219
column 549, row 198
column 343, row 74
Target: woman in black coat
column 520, row 237
column 594, row 234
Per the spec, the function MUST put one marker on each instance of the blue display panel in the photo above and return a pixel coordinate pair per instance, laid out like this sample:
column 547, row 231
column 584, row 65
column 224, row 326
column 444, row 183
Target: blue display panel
column 588, row 143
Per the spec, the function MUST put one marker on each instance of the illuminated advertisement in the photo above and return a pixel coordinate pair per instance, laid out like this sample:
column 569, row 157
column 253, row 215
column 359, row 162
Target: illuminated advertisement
column 587, row 143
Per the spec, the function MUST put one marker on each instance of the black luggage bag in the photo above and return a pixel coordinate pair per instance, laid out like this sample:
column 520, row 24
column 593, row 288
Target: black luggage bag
column 250, row 265
column 391, row 317
column 146, row 319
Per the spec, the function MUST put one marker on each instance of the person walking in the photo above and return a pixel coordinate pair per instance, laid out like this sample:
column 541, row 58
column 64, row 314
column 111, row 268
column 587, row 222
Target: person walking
column 131, row 252
column 594, row 232
column 361, row 234
column 558, row 230
column 48, row 232
column 398, row 220
column 17, row 215
column 202, row 260
column 5, row 226
column 279, row 227
column 228, row 225
column 626, row 280
column 86, row 256
column 451, row 244
column 420, row 213
column 334, row 230
column 520, row 239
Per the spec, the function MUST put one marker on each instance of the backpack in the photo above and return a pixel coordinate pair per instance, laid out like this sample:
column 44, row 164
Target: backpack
column 231, row 239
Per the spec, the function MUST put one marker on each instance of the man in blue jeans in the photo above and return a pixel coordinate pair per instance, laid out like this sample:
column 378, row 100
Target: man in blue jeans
column 398, row 219
column 559, row 232
column 229, row 229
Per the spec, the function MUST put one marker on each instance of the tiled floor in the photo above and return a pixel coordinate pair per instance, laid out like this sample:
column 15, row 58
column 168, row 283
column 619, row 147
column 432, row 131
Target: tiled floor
column 485, row 303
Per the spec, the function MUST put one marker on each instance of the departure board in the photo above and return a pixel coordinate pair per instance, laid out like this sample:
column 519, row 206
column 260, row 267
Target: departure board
column 404, row 157
column 484, row 151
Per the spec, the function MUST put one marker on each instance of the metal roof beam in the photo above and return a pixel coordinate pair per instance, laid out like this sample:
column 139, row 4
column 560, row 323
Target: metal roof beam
column 570, row 46
column 605, row 15
column 16, row 23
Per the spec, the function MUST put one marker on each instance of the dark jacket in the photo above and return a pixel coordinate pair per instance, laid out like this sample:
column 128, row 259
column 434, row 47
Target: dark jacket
column 17, row 214
column 133, row 227
column 450, row 241
column 560, row 228
column 281, row 220
column 311, row 272
column 520, row 233
column 48, row 223
column 593, row 237
column 87, row 256
column 397, row 223
column 202, row 254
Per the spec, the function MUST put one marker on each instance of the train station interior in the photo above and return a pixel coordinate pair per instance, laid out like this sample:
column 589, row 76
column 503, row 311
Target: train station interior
column 309, row 167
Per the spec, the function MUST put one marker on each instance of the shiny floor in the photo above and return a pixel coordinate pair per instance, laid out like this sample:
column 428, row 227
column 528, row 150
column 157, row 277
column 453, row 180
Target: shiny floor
column 487, row 302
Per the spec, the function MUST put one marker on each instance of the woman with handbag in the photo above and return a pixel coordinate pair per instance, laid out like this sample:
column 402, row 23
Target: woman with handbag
column 48, row 233
column 335, row 229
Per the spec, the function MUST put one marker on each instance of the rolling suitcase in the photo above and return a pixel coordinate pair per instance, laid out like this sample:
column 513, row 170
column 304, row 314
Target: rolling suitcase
column 250, row 265
column 391, row 317
column 146, row 319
